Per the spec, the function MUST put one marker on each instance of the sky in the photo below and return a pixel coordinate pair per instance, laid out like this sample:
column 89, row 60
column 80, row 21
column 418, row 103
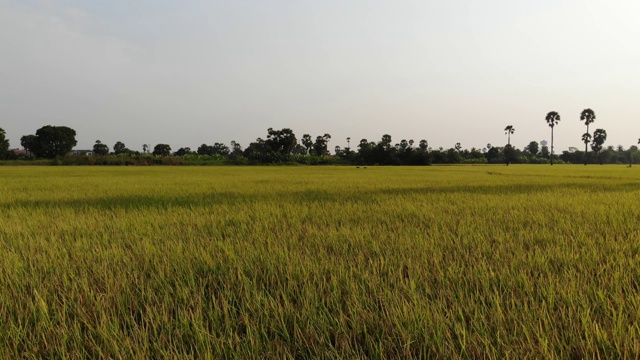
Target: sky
column 188, row 72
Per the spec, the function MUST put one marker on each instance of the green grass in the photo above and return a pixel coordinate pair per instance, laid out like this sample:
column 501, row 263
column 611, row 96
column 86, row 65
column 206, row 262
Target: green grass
column 330, row 262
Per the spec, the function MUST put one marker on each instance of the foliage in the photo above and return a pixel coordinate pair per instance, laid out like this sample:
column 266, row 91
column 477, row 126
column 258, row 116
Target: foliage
column 533, row 148
column 599, row 137
column 508, row 131
column 321, row 145
column 120, row 148
column 183, row 151
column 281, row 142
column 100, row 149
column 215, row 149
column 509, row 154
column 50, row 141
column 588, row 116
column 552, row 118
column 162, row 150
column 4, row 145
column 281, row 147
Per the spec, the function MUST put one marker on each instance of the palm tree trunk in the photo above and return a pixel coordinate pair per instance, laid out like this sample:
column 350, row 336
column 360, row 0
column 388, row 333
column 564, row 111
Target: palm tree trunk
column 586, row 148
column 551, row 146
column 585, row 153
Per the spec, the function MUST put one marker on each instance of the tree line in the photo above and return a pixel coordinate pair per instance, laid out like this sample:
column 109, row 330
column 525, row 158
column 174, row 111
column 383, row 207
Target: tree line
column 282, row 146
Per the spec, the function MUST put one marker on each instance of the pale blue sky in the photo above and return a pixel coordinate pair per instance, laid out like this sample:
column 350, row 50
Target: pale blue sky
column 190, row 72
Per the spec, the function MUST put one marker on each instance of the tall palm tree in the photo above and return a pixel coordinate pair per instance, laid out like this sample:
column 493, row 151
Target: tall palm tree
column 552, row 119
column 631, row 155
column 588, row 116
column 586, row 138
column 599, row 137
column 509, row 130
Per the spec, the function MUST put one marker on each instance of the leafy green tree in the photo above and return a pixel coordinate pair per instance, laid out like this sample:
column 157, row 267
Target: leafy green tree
column 299, row 150
column 508, row 131
column 307, row 142
column 120, row 148
column 599, row 137
column 509, row 154
column 221, row 149
column 50, row 141
column 533, row 148
column 258, row 151
column 4, row 145
column 183, row 151
column 386, row 141
column 215, row 149
column 365, row 151
column 544, row 152
column 588, row 116
column 29, row 143
column 281, row 142
column 204, row 149
column 100, row 149
column 236, row 148
column 321, row 145
column 162, row 150
column 553, row 118
column 633, row 153
column 494, row 155
column 453, row 155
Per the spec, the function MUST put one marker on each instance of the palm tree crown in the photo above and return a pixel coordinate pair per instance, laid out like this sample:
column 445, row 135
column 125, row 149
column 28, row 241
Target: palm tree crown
column 600, row 136
column 588, row 116
column 509, row 130
column 553, row 118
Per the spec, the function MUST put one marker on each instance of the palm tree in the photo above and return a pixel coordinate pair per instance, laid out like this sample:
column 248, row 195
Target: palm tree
column 631, row 155
column 599, row 137
column 552, row 119
column 586, row 138
column 509, row 130
column 588, row 116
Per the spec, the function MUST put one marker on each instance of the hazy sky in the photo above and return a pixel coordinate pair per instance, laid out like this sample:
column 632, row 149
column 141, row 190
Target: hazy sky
column 187, row 72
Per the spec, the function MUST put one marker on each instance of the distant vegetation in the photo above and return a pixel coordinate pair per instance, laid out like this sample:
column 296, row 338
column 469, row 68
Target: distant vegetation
column 283, row 147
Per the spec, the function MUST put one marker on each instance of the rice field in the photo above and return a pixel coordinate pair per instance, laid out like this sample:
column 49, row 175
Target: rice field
column 320, row 262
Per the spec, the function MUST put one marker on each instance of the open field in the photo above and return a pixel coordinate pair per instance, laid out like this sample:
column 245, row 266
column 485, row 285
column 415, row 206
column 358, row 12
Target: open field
column 252, row 262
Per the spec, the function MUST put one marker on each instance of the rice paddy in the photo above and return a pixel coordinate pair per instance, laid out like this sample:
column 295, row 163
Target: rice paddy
column 320, row 262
